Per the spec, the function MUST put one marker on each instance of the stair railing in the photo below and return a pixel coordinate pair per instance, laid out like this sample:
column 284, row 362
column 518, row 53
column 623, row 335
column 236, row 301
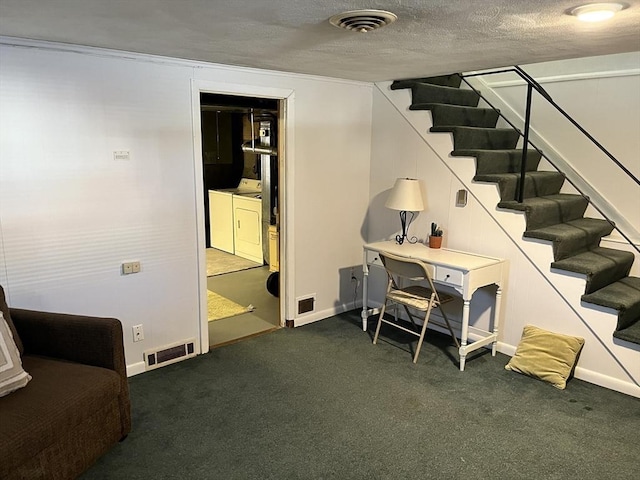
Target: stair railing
column 531, row 86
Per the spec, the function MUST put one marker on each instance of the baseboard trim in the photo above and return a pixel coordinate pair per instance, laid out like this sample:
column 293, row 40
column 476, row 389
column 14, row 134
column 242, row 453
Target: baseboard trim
column 135, row 369
column 323, row 314
column 507, row 349
column 607, row 382
column 315, row 316
column 628, row 388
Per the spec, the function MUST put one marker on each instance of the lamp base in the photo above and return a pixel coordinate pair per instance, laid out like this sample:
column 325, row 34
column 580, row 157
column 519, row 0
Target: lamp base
column 400, row 239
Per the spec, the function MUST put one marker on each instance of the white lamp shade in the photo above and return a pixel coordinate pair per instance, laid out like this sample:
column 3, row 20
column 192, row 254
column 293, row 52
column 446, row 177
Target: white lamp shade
column 406, row 195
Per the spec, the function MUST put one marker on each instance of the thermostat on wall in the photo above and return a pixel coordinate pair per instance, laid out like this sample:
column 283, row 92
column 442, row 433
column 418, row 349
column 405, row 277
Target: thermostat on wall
column 121, row 155
column 461, row 198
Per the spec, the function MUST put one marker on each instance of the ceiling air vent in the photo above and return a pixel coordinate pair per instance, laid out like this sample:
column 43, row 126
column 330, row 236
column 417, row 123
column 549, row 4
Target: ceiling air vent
column 363, row 20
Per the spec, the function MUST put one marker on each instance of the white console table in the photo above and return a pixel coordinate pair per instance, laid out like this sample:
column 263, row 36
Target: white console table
column 464, row 272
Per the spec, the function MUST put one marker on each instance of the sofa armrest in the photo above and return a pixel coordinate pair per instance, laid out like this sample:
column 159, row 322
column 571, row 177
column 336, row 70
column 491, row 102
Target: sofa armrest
column 89, row 340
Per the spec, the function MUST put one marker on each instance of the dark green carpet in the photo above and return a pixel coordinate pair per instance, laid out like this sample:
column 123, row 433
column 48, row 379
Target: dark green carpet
column 550, row 215
column 321, row 401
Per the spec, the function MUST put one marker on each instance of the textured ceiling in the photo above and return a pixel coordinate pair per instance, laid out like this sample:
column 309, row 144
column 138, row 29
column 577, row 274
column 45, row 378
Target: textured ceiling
column 430, row 36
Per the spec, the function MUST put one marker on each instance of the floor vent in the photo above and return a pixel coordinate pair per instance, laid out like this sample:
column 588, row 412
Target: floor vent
column 169, row 354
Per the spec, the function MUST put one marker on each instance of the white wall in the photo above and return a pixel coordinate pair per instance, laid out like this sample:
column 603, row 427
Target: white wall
column 534, row 294
column 70, row 214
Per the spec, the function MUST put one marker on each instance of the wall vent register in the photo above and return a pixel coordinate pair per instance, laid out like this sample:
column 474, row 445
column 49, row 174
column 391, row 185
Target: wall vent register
column 169, row 354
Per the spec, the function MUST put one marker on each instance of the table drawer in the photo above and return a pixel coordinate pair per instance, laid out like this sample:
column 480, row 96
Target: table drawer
column 449, row 276
column 373, row 258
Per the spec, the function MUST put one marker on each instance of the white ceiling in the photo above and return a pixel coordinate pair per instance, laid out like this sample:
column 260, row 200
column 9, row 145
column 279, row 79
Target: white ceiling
column 430, row 36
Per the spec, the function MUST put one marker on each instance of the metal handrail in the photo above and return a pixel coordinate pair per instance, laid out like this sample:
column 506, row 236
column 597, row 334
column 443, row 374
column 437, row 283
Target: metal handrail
column 533, row 85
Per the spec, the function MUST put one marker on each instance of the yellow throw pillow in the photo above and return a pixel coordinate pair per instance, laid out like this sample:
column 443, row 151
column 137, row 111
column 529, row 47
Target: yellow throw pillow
column 546, row 355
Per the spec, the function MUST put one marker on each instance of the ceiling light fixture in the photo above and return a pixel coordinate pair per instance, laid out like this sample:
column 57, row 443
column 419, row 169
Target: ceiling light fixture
column 597, row 12
column 363, row 20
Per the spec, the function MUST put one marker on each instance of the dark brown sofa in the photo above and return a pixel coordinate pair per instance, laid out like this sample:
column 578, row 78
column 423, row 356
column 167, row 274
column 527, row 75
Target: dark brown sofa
column 76, row 407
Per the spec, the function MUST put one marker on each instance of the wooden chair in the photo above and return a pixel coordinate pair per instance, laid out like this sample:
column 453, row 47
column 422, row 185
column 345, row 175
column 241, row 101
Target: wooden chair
column 417, row 297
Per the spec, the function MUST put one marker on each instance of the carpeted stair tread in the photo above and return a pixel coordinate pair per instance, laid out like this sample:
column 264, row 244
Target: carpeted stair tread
column 500, row 161
column 465, row 138
column 443, row 80
column 536, row 183
column 624, row 296
column 428, row 93
column 573, row 237
column 549, row 210
column 444, row 114
column 630, row 334
column 602, row 266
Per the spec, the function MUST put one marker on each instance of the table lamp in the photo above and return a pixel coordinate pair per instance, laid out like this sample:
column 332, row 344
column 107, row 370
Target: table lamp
column 405, row 196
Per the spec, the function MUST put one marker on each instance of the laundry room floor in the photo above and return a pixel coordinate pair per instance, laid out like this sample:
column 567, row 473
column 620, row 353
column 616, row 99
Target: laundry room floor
column 244, row 287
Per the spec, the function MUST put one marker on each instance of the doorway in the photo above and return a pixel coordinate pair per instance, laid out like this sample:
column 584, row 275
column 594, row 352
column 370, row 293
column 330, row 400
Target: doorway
column 241, row 178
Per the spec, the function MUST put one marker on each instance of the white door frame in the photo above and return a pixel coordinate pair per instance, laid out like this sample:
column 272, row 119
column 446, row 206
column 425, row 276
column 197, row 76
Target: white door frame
column 285, row 172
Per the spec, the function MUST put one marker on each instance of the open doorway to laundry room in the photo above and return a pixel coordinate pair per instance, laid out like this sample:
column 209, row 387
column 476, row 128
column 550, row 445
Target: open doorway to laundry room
column 241, row 179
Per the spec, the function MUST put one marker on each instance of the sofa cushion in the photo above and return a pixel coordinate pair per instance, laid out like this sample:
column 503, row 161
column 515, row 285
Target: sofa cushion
column 12, row 375
column 4, row 308
column 60, row 397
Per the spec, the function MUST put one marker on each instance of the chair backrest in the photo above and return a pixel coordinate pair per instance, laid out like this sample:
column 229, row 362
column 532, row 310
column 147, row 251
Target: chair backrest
column 407, row 267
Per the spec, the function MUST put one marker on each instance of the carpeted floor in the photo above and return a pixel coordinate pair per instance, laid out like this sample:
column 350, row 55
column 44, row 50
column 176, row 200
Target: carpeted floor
column 321, row 401
column 220, row 307
column 219, row 262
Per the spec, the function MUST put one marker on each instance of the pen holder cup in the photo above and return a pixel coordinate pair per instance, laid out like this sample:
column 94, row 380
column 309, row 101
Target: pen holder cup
column 435, row 242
